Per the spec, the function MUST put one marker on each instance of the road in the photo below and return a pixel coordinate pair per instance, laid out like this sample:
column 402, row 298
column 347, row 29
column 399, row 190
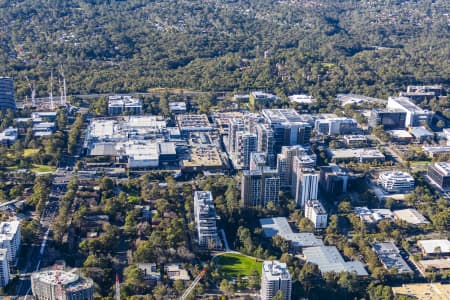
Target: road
column 36, row 255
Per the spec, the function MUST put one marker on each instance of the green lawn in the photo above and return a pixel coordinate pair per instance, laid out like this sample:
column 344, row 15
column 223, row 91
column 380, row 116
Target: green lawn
column 235, row 264
column 30, row 152
column 43, row 169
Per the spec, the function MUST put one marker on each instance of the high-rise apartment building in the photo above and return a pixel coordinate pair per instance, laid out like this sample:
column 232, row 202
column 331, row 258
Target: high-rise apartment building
column 305, row 185
column 266, row 142
column 7, row 100
column 259, row 187
column 275, row 279
column 4, row 268
column 10, row 239
column 247, row 143
column 285, row 162
column 315, row 212
column 205, row 219
column 236, row 125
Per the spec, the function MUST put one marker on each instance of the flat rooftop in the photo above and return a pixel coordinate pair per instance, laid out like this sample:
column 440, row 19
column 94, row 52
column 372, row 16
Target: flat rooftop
column 405, row 103
column 434, row 246
column 328, row 259
column 390, row 257
column 282, row 116
column 410, row 216
column 191, row 122
column 424, row 291
column 280, row 226
column 355, row 153
column 443, row 167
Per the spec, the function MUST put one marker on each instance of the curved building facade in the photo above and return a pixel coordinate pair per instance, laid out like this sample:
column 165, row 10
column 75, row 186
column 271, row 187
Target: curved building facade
column 58, row 284
column 7, row 93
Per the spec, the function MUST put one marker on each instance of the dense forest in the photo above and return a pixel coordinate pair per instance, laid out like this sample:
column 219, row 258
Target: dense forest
column 317, row 46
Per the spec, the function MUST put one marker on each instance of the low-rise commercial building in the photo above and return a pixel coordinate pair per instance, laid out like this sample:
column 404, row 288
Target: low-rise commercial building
column 415, row 116
column 275, row 277
column 373, row 216
column 410, row 216
column 357, row 140
column 315, row 212
column 175, row 271
column 363, row 155
column 297, row 240
column 436, row 151
column 328, row 259
column 421, row 134
column 120, row 104
column 434, row 247
column 396, row 182
column 390, row 119
column 423, row 291
column 177, row 107
column 9, row 136
column 390, row 257
column 439, row 174
column 336, row 126
column 433, row 265
column 302, row 99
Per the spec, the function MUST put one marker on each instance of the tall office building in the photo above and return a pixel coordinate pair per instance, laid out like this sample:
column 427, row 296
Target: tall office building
column 205, row 219
column 275, row 277
column 333, row 179
column 259, row 187
column 60, row 284
column 305, row 185
column 4, row 268
column 288, row 127
column 10, row 239
column 7, row 100
column 285, row 162
column 247, row 143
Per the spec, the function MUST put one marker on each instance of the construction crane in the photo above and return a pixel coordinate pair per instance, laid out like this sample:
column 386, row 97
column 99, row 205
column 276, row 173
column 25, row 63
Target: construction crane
column 117, row 287
column 33, row 92
column 52, row 107
column 62, row 87
column 59, row 288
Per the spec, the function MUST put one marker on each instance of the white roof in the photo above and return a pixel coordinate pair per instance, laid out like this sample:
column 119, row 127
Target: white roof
column 302, row 99
column 329, row 259
column 430, row 246
column 274, row 270
column 280, row 226
column 411, row 216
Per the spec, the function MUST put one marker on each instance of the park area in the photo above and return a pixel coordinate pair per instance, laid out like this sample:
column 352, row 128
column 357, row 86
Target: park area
column 233, row 264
